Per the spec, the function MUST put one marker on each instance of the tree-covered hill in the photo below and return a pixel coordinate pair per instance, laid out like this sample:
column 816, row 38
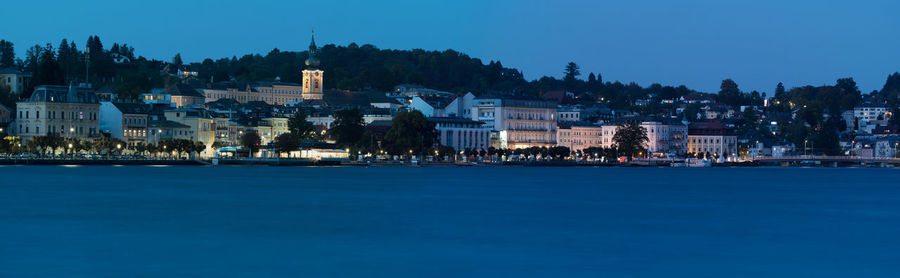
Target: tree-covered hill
column 354, row 67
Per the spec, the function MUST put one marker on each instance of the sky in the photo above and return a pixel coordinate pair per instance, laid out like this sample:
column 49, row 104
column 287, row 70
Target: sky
column 696, row 43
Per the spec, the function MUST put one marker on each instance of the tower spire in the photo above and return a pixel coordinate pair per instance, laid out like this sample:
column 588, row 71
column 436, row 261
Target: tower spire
column 312, row 41
column 312, row 61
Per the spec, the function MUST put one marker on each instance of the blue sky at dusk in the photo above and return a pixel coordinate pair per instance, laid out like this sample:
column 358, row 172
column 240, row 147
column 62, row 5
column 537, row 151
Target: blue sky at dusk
column 694, row 42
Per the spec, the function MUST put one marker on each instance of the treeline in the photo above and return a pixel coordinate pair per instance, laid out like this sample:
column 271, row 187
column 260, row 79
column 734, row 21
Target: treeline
column 366, row 67
column 66, row 63
column 351, row 67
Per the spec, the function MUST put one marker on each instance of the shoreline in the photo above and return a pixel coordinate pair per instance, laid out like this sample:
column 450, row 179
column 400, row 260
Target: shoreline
column 311, row 163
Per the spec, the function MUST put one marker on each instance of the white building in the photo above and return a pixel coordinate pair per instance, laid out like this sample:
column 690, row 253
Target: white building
column 461, row 106
column 568, row 114
column 666, row 138
column 61, row 110
column 870, row 115
column 14, row 79
column 520, row 123
column 178, row 96
column 430, row 106
column 663, row 138
column 461, row 134
column 125, row 121
column 887, row 146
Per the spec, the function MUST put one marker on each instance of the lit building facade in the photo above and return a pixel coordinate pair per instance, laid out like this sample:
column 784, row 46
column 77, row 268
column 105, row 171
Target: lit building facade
column 870, row 115
column 202, row 126
column 580, row 137
column 313, row 78
column 61, row 110
column 125, row 121
column 273, row 93
column 520, row 123
column 462, row 134
column 666, row 138
column 713, row 138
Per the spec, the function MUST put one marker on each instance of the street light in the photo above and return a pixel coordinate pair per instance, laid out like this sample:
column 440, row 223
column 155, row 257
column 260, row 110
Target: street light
column 804, row 146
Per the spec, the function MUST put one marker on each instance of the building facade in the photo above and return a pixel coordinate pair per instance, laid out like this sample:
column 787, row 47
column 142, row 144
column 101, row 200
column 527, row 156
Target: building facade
column 125, row 121
column 5, row 115
column 666, row 138
column 61, row 110
column 177, row 96
column 580, row 137
column 712, row 138
column 868, row 116
column 14, row 79
column 201, row 125
column 568, row 114
column 520, row 123
column 273, row 93
column 462, row 134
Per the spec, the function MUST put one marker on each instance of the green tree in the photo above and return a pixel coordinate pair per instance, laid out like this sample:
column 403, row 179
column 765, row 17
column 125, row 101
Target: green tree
column 779, row 91
column 199, row 147
column 630, row 139
column 251, row 141
column 299, row 126
column 287, row 142
column 851, row 96
column 7, row 54
column 559, row 152
column 109, row 146
column 410, row 131
column 730, row 94
column 891, row 89
column 6, row 97
column 571, row 74
column 348, row 128
column 177, row 61
column 5, row 145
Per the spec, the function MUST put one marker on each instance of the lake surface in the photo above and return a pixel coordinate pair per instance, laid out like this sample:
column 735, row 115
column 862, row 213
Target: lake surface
column 139, row 221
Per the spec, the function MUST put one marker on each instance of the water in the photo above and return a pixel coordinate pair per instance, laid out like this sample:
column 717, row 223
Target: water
column 448, row 222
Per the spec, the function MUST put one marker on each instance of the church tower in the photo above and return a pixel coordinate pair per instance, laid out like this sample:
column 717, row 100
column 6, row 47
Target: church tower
column 312, row 76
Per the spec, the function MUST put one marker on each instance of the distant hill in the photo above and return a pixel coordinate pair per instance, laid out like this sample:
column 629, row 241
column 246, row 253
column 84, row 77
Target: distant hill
column 364, row 67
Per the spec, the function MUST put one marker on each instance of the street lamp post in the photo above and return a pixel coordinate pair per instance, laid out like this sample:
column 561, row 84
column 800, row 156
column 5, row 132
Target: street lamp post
column 804, row 147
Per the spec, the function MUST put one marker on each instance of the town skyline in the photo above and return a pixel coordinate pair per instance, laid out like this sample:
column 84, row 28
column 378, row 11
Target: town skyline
column 759, row 54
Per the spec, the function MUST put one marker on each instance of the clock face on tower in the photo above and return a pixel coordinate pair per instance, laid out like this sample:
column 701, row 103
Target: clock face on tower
column 312, row 80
